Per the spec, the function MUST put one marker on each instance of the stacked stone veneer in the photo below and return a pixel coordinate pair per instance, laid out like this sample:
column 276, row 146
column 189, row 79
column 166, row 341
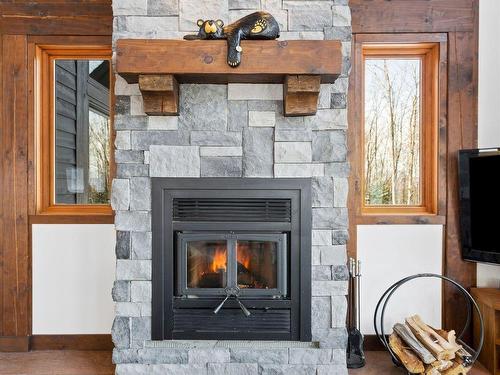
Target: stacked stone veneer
column 235, row 130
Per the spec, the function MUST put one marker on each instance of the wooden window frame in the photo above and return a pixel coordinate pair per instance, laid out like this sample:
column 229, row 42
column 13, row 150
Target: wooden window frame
column 44, row 145
column 431, row 49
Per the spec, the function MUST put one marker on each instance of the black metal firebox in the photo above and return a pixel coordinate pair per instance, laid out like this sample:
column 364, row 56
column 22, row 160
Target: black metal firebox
column 231, row 258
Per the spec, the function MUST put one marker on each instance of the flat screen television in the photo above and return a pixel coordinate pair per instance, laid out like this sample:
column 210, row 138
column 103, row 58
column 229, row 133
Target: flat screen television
column 479, row 176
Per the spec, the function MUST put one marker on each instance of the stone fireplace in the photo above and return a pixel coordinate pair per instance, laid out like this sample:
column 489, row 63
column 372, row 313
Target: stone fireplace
column 235, row 133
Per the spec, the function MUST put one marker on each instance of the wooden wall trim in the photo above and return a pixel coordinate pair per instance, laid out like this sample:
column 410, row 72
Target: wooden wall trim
column 14, row 343
column 71, row 342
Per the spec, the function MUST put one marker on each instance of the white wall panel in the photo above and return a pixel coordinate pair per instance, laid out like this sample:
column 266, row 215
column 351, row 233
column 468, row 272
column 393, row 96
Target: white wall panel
column 391, row 252
column 73, row 273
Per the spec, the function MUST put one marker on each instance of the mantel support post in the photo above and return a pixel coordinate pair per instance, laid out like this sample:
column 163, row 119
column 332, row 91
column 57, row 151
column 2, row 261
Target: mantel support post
column 301, row 94
column 160, row 94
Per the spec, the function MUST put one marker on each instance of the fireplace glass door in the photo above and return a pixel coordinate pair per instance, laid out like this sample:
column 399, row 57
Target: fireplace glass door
column 211, row 263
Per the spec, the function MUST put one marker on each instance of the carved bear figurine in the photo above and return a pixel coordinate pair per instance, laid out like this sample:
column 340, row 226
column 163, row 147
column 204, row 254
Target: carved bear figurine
column 258, row 25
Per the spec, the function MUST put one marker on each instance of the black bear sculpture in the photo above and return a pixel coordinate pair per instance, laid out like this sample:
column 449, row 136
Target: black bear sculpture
column 258, row 25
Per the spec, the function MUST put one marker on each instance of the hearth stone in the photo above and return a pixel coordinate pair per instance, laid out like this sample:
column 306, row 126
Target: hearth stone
column 231, row 130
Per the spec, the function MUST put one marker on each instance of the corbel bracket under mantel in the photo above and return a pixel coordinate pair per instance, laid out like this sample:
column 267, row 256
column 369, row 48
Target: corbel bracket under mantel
column 159, row 65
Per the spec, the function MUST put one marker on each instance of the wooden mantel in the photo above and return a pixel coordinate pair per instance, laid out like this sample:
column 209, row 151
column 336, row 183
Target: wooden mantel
column 159, row 65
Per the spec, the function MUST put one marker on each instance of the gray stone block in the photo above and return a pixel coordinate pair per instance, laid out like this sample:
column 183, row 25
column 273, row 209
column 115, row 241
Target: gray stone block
column 333, row 255
column 141, row 244
column 321, row 237
column 265, row 105
column 129, row 7
column 308, row 19
column 338, row 101
column 124, row 356
column 168, row 369
column 258, row 152
column 120, row 194
column 244, row 4
column 122, row 104
column 133, row 269
column 329, row 288
column 339, row 313
column 130, row 170
column 210, row 355
column 233, row 368
column 216, row 151
column 310, row 356
column 203, row 107
column 332, row 370
column 254, row 91
column 322, row 273
column 133, row 221
column 163, row 7
column 290, row 123
column 292, row 152
column 121, row 291
column 340, row 272
column 293, row 135
column 129, row 156
column 127, row 122
column 341, row 15
column 328, row 119
column 340, row 237
column 343, row 33
column 122, row 140
column 120, row 332
column 261, row 119
column 329, row 218
column 337, row 169
column 322, row 191
column 163, row 122
column 335, row 338
column 140, row 291
column 140, row 331
column 161, row 355
column 142, row 140
column 215, row 138
column 340, row 192
column 221, row 167
column 298, row 170
column 329, row 146
column 287, row 370
column 140, row 193
column 260, row 356
column 127, row 309
column 237, row 115
column 339, row 355
column 191, row 10
column 321, row 312
column 122, row 247
column 174, row 161
column 146, row 27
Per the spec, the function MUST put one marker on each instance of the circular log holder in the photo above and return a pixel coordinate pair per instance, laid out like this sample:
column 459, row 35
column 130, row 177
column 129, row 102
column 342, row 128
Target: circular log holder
column 378, row 318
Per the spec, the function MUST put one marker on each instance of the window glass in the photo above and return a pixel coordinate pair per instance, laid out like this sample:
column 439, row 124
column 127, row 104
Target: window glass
column 81, row 131
column 392, row 131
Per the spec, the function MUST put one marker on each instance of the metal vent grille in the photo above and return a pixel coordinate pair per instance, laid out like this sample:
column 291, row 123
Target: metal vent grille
column 232, row 320
column 241, row 209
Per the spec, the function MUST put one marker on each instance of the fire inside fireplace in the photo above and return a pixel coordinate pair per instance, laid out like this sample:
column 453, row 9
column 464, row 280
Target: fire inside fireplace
column 254, row 264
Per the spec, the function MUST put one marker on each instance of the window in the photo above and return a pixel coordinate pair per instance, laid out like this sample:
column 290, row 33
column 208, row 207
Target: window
column 399, row 128
column 74, row 132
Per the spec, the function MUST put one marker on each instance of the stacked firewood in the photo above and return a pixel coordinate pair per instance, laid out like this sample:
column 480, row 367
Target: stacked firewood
column 428, row 351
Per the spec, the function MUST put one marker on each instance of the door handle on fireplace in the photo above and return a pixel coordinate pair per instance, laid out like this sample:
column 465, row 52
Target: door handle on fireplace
column 233, row 292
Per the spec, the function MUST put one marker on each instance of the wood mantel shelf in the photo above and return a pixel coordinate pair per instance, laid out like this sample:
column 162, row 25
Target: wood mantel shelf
column 159, row 65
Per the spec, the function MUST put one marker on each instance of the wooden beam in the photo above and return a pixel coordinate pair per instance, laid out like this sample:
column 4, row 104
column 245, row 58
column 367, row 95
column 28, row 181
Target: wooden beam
column 202, row 61
column 160, row 94
column 301, row 95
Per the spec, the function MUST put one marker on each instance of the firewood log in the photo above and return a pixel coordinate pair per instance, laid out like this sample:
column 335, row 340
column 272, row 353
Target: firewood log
column 461, row 353
column 442, row 341
column 456, row 369
column 407, row 336
column 426, row 340
column 442, row 365
column 405, row 355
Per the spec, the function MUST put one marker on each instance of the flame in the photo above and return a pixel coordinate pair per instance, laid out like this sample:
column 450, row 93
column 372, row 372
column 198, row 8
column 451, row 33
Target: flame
column 243, row 255
column 219, row 261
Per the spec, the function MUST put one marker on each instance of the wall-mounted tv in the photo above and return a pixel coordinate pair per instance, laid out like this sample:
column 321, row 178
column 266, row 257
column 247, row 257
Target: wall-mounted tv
column 479, row 176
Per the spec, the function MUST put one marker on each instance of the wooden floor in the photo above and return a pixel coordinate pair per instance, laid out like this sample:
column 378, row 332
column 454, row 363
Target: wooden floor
column 378, row 363
column 67, row 362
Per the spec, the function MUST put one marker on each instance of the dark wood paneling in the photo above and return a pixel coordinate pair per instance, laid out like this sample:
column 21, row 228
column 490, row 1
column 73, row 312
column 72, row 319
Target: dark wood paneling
column 14, row 343
column 14, row 238
column 71, row 342
column 411, row 16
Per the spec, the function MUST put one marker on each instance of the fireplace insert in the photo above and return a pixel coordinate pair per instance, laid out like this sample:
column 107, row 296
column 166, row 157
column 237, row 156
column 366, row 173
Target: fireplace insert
column 231, row 258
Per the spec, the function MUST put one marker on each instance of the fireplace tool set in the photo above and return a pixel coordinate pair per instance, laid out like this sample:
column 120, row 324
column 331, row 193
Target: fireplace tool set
column 355, row 353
